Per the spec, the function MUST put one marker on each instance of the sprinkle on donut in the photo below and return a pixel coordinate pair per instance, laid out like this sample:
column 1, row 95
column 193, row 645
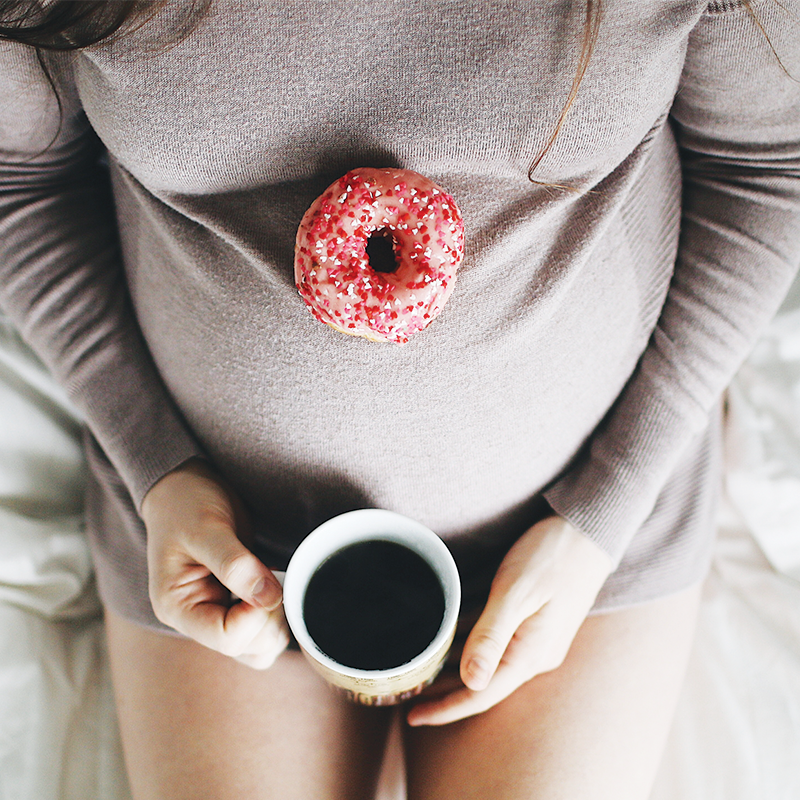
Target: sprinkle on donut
column 332, row 268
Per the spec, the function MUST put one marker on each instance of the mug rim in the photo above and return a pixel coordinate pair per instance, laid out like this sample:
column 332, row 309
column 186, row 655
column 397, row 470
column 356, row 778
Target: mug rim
column 370, row 524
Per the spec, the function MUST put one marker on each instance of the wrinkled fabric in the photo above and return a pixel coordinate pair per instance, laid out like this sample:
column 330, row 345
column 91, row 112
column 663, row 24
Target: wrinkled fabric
column 763, row 440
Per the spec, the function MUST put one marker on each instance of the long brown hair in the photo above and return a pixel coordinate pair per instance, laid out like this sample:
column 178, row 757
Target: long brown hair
column 71, row 24
column 591, row 29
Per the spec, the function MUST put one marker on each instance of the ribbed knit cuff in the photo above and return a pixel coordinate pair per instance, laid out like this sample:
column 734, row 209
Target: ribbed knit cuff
column 613, row 485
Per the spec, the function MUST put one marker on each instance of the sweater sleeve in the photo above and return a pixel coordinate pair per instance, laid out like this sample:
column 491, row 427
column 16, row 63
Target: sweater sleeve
column 61, row 278
column 737, row 120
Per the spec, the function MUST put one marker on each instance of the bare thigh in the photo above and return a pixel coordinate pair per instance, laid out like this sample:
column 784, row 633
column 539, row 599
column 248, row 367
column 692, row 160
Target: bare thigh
column 196, row 724
column 594, row 729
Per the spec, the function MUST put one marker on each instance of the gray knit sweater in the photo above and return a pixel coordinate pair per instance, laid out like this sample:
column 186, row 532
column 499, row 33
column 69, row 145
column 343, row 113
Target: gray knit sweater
column 146, row 247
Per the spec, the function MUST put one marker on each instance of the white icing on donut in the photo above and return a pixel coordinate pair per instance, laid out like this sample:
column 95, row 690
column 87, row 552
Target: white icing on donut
column 332, row 269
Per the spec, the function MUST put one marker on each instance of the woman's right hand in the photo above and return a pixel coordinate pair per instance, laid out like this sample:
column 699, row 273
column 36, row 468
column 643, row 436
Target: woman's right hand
column 197, row 562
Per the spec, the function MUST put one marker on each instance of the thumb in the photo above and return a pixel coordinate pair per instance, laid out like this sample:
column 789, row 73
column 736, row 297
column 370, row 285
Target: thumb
column 236, row 568
column 488, row 641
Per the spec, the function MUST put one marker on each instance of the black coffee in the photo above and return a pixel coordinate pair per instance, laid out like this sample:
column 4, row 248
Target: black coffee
column 373, row 605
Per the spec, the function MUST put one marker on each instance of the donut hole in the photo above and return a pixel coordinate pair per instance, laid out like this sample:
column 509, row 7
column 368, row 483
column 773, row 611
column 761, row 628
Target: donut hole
column 380, row 252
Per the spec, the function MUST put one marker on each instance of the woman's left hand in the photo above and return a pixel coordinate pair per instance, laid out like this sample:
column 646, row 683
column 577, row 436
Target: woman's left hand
column 541, row 595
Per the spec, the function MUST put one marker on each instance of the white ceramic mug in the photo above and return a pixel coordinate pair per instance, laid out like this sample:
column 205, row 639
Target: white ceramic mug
column 379, row 686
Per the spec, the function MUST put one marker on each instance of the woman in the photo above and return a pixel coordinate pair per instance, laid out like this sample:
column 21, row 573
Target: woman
column 556, row 425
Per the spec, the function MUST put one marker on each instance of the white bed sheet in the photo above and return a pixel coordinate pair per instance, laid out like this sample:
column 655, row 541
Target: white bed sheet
column 736, row 734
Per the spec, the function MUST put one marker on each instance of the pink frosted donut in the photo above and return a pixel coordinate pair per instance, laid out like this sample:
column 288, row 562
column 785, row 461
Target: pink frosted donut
column 332, row 268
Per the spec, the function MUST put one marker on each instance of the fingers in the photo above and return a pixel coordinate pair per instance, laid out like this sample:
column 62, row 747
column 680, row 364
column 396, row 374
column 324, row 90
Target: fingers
column 505, row 611
column 553, row 560
column 191, row 582
column 465, row 702
column 540, row 596
column 496, row 660
column 236, row 568
column 253, row 636
column 533, row 649
column 250, row 633
column 228, row 630
column 485, row 647
column 270, row 642
column 198, row 567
